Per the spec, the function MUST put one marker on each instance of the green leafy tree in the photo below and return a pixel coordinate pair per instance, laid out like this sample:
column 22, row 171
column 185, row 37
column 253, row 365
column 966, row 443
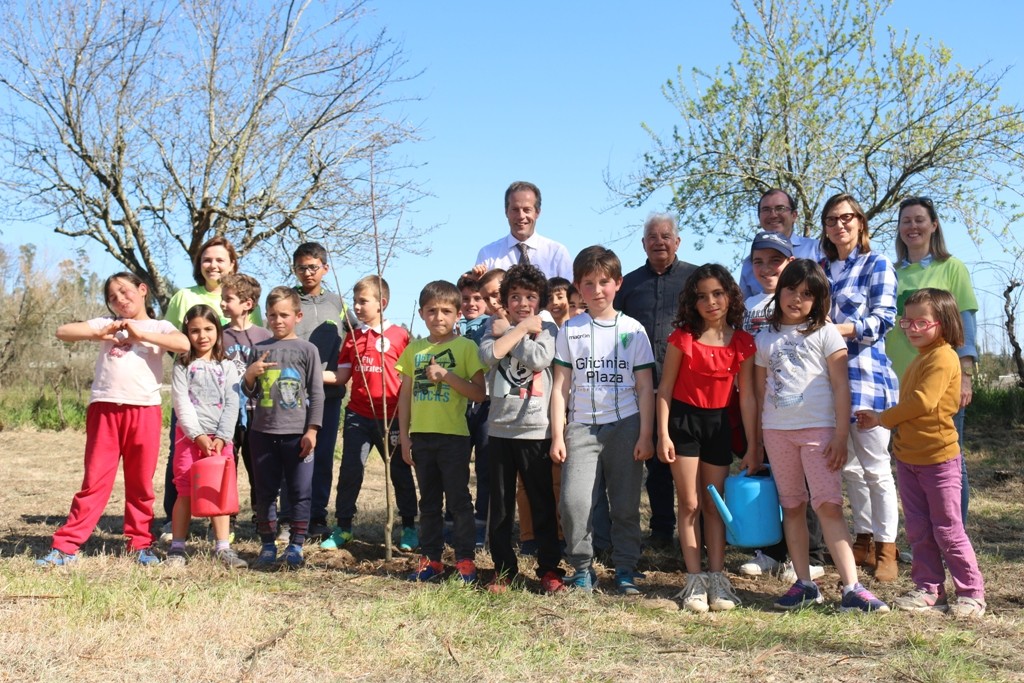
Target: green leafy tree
column 815, row 105
column 150, row 127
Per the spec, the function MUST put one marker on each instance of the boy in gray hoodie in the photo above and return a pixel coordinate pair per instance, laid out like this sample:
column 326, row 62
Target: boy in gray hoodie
column 518, row 353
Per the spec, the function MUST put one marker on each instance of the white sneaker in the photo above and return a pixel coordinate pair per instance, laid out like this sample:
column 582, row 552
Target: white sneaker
column 788, row 575
column 759, row 564
column 721, row 596
column 166, row 535
column 695, row 594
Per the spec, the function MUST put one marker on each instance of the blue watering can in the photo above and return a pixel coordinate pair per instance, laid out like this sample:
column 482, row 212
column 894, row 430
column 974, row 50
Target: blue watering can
column 751, row 512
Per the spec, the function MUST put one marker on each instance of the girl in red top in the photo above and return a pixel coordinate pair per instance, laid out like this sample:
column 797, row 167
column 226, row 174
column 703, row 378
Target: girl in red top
column 706, row 354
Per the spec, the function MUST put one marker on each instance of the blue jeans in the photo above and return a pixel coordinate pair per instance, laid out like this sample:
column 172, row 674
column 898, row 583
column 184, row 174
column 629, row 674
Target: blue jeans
column 965, row 492
column 361, row 434
column 476, row 417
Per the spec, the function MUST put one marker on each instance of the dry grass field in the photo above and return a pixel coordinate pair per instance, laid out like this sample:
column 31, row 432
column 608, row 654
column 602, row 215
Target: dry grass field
column 349, row 615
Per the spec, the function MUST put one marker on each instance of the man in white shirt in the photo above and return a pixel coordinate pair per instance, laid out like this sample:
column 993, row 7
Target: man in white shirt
column 523, row 244
column 776, row 212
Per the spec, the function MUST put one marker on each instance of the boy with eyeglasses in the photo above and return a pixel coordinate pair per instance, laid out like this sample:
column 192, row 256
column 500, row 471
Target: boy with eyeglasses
column 325, row 320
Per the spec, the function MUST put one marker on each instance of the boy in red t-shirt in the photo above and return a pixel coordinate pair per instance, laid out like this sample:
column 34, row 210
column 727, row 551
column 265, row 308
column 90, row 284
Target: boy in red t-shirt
column 368, row 356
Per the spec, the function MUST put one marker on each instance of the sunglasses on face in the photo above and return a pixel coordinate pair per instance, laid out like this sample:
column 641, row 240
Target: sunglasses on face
column 833, row 221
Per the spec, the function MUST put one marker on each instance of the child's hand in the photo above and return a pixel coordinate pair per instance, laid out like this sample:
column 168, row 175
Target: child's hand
column 532, row 324
column 307, row 444
column 434, row 372
column 752, row 461
column 867, row 419
column 259, row 366
column 130, row 331
column 406, row 446
column 218, row 445
column 114, row 332
column 330, row 377
column 835, row 452
column 499, row 326
column 557, row 451
column 666, row 450
column 205, row 445
column 643, row 450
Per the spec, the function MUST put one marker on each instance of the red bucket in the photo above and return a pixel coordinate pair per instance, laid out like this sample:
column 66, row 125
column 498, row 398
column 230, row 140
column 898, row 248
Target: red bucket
column 214, row 488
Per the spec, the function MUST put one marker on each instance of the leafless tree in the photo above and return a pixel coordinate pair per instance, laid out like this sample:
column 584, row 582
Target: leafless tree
column 149, row 127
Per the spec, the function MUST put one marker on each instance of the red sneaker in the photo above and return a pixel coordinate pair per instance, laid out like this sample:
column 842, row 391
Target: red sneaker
column 551, row 582
column 427, row 570
column 467, row 570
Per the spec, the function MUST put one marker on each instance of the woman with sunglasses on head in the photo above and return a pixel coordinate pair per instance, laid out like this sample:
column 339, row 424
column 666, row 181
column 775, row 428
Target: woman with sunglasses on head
column 864, row 310
column 923, row 261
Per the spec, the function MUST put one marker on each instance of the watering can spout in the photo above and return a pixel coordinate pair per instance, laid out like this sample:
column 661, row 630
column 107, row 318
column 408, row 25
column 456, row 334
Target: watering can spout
column 723, row 511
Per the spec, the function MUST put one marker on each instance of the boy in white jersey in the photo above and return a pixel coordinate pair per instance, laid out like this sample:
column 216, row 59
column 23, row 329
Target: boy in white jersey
column 603, row 372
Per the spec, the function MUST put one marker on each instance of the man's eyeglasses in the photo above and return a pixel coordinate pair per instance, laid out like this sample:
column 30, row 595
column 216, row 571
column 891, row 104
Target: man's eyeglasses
column 918, row 324
column 307, row 270
column 832, row 221
column 777, row 210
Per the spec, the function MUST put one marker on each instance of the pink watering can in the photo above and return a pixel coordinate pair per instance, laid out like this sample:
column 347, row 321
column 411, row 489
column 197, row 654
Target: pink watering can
column 214, row 489
column 751, row 512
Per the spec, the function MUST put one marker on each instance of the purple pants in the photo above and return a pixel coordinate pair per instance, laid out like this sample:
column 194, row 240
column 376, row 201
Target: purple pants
column 935, row 529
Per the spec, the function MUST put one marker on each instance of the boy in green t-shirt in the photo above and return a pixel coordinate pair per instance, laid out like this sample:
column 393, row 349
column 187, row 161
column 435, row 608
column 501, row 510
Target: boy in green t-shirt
column 439, row 374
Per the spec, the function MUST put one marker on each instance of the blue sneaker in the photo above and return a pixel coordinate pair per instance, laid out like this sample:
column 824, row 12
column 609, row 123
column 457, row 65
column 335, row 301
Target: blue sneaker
column 410, row 539
column 427, row 570
column 293, row 556
column 863, row 599
column 337, row 539
column 147, row 558
column 267, row 556
column 624, row 582
column 582, row 580
column 799, row 596
column 56, row 558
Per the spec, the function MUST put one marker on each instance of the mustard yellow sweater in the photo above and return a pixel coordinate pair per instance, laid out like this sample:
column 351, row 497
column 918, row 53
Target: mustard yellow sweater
column 929, row 398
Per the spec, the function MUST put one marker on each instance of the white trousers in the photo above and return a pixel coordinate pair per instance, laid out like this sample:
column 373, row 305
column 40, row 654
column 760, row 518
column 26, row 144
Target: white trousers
column 870, row 485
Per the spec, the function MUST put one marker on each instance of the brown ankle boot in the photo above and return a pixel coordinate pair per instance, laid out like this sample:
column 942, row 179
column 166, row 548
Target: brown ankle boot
column 863, row 553
column 885, row 562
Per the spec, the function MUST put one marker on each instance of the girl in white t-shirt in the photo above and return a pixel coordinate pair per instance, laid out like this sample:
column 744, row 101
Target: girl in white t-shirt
column 123, row 419
column 803, row 394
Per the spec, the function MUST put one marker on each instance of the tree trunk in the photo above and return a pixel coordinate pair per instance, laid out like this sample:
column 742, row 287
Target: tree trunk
column 1011, row 322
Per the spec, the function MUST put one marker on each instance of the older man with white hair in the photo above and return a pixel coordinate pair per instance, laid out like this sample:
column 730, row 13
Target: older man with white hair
column 650, row 294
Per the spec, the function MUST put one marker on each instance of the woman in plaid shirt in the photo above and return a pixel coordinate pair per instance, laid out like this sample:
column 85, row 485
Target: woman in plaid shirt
column 864, row 310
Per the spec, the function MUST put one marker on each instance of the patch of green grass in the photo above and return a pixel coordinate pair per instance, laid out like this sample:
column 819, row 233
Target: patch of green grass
column 26, row 406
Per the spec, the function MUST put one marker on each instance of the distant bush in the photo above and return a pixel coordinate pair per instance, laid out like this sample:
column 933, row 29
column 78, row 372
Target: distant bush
column 37, row 407
column 30, row 407
column 997, row 406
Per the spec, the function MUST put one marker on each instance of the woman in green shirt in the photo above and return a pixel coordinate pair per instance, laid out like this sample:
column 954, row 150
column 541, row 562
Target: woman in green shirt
column 922, row 260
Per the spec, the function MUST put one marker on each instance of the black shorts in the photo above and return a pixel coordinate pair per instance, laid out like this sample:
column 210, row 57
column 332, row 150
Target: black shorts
column 701, row 432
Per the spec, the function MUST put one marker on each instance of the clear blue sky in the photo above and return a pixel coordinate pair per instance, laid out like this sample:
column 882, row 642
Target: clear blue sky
column 555, row 93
